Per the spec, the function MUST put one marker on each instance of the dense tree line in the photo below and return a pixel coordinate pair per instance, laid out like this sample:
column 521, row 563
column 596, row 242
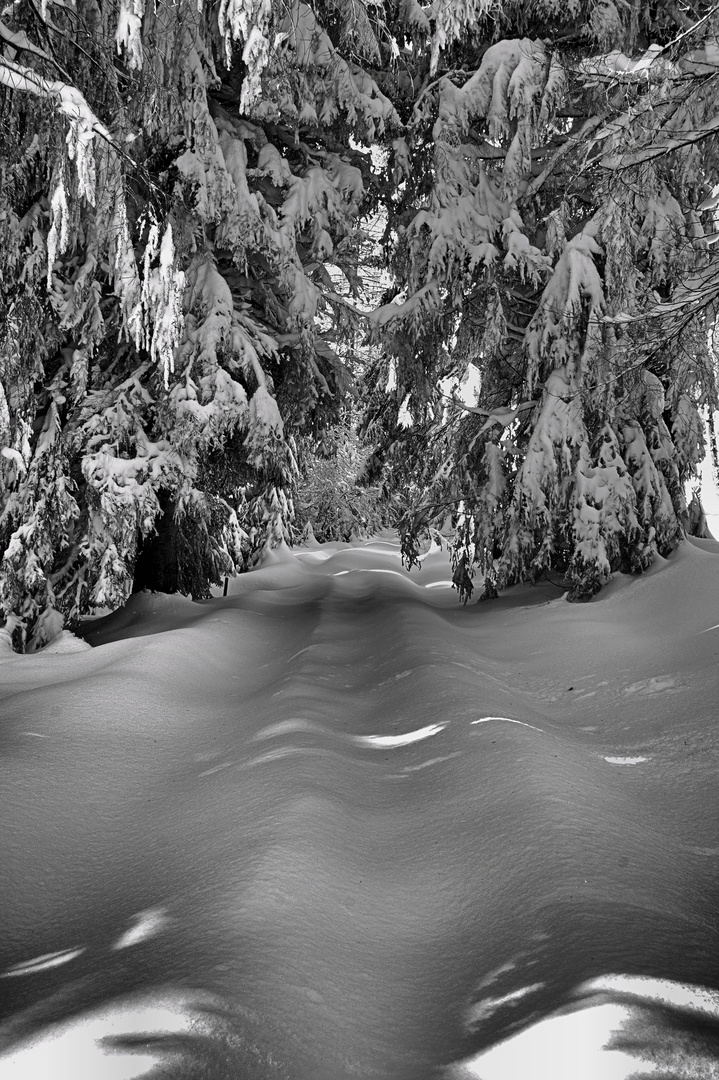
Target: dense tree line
column 199, row 204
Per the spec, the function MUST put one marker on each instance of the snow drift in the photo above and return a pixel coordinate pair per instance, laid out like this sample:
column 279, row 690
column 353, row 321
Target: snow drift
column 335, row 824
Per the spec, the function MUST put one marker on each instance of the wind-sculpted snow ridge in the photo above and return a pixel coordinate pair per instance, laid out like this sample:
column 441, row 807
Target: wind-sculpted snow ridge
column 336, row 825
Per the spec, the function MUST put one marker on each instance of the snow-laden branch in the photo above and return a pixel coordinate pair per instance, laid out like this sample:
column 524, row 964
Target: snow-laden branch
column 389, row 312
column 333, row 297
column 503, row 415
column 18, row 40
column 617, row 66
column 69, row 99
column 656, row 150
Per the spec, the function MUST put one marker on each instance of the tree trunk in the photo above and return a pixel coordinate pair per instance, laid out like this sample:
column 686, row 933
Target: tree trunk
column 157, row 565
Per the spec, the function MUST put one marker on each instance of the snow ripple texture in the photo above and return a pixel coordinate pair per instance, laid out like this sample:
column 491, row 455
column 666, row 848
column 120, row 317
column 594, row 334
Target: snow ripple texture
column 336, row 825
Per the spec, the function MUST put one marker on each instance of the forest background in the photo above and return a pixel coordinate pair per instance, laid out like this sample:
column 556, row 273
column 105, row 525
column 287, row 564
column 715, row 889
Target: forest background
column 354, row 262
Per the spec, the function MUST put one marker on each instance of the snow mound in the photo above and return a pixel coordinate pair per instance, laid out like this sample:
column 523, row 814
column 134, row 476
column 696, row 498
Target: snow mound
column 65, row 642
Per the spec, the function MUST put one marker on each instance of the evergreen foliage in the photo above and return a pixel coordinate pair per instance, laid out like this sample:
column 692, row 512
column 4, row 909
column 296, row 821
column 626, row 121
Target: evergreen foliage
column 334, row 500
column 184, row 189
column 553, row 229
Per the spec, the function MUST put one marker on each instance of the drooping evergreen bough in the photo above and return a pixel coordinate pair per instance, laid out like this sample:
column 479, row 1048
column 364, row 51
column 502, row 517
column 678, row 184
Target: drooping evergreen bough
column 183, row 193
column 552, row 237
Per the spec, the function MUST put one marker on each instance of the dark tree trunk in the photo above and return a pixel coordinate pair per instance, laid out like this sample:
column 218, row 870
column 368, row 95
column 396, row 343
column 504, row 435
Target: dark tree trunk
column 157, row 565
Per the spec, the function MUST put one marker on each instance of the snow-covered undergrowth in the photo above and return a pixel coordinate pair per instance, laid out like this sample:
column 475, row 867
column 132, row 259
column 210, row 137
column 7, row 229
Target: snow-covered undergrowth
column 337, row 825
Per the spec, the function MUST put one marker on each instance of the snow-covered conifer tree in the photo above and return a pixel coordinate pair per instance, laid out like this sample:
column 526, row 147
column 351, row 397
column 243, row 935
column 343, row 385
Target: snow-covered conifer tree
column 165, row 311
column 553, row 228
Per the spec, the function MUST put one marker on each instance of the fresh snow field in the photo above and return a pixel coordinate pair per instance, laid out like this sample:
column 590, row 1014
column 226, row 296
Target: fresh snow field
column 337, row 826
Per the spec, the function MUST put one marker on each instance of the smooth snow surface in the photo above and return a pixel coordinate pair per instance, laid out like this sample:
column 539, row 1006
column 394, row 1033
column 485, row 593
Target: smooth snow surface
column 335, row 825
